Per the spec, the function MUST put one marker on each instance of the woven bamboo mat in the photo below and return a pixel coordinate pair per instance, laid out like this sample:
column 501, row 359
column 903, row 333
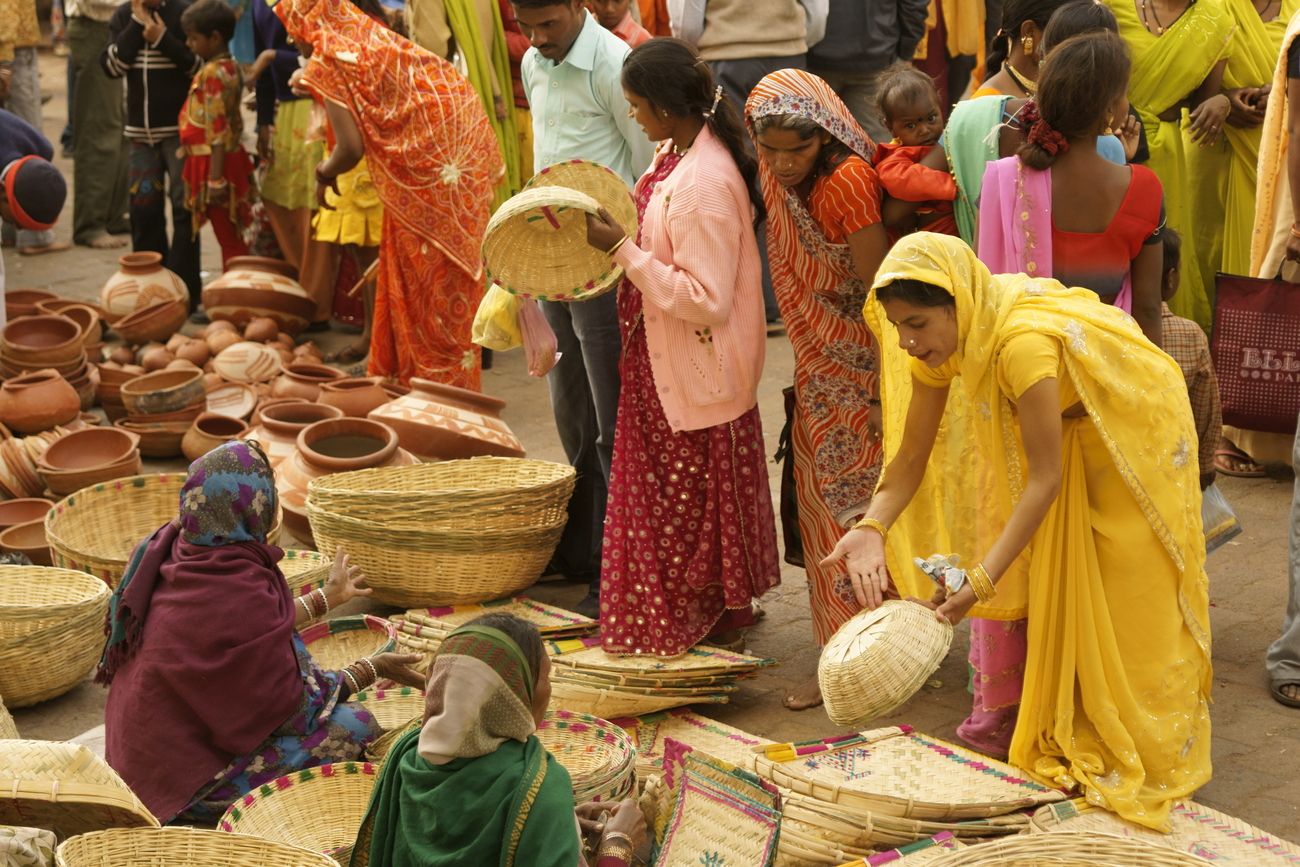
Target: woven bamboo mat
column 649, row 733
column 551, row 622
column 64, row 788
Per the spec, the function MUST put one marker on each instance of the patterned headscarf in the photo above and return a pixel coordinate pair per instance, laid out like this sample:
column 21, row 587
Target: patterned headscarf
column 229, row 496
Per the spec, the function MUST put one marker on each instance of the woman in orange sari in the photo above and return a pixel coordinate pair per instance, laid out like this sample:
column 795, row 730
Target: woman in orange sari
column 435, row 163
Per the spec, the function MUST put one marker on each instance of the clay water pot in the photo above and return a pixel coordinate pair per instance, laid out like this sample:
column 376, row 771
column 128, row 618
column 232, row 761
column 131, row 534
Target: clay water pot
column 244, row 361
column 304, row 380
column 156, row 358
column 356, row 396
column 252, row 287
column 157, row 439
column 445, row 422
column 28, row 539
column 165, row 391
column 210, row 430
column 25, row 302
column 278, row 426
column 196, row 352
column 37, row 401
column 43, row 339
column 21, row 511
column 140, row 280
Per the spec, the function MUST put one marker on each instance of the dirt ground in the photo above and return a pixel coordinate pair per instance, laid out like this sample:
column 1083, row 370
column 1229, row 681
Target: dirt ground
column 1256, row 740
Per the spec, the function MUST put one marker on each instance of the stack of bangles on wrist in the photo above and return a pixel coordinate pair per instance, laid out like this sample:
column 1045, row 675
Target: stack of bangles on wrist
column 315, row 603
column 981, row 583
column 873, row 524
column 361, row 674
column 617, row 846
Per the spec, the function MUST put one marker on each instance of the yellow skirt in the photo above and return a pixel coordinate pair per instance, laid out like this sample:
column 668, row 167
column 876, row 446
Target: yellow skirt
column 1114, row 698
column 358, row 214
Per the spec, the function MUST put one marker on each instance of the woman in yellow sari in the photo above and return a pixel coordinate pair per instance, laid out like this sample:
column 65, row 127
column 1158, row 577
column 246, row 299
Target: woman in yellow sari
column 1179, row 52
column 1066, row 470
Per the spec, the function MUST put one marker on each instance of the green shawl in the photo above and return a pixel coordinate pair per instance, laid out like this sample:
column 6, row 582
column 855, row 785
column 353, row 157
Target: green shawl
column 971, row 141
column 511, row 806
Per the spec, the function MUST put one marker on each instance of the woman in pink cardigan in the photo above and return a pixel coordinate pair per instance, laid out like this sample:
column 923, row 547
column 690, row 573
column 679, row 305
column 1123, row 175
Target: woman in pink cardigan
column 690, row 536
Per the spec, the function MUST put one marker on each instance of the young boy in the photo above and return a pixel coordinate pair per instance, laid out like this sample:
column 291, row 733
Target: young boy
column 616, row 17
column 32, row 191
column 909, row 107
column 1186, row 344
column 218, row 171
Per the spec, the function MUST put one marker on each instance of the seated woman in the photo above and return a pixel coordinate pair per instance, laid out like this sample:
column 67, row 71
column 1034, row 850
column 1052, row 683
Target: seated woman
column 474, row 785
column 213, row 692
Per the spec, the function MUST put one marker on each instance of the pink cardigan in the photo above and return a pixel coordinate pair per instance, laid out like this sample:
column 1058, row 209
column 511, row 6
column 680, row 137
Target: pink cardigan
column 700, row 279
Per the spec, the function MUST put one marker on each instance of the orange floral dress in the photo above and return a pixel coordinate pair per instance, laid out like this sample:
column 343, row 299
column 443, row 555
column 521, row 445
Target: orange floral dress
column 210, row 117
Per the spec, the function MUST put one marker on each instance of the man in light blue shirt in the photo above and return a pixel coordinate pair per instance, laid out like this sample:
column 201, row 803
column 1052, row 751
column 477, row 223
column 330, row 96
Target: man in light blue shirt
column 571, row 76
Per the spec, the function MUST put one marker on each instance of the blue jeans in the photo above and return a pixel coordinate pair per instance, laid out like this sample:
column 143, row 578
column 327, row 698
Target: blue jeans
column 1283, row 659
column 584, row 396
column 154, row 175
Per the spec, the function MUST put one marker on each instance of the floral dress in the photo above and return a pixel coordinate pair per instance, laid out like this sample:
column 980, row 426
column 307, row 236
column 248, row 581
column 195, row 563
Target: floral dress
column 211, row 117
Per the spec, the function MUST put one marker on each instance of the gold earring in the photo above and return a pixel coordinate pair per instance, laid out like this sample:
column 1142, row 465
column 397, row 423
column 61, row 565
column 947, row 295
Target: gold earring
column 1028, row 44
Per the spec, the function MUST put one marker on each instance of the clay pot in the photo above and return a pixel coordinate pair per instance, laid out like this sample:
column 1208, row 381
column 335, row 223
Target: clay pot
column 278, row 425
column 47, row 340
column 37, row 401
column 21, row 511
column 233, row 400
column 286, row 357
column 86, row 317
column 25, row 302
column 304, row 380
column 165, row 391
column 307, row 352
column 260, row 329
column 445, row 422
column 28, row 539
column 64, row 483
column 285, row 340
column 221, row 340
column 248, row 362
column 58, row 305
column 182, row 364
column 209, row 431
column 157, row 439
column 211, row 380
column 18, row 476
column 186, row 415
column 218, row 327
column 156, row 359
column 253, row 286
column 196, row 352
column 356, row 396
column 88, row 448
column 157, row 321
column 140, row 280
column 263, row 402
column 122, row 355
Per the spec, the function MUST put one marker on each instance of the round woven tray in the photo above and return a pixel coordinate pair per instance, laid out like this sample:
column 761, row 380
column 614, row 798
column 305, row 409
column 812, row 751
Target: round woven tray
column 96, row 529
column 536, row 246
column 342, row 641
column 879, row 659
column 304, row 571
column 1068, row 849
column 181, row 847
column 65, row 787
column 598, row 755
column 392, row 708
column 51, row 631
column 318, row 809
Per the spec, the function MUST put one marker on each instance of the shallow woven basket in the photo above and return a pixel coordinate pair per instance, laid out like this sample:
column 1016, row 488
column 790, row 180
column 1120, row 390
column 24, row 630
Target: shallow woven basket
column 342, row 641
column 378, row 749
column 536, row 246
column 181, row 847
column 66, row 788
column 51, row 631
column 391, row 708
column 8, row 728
column 1068, row 849
column 318, row 808
column 96, row 529
column 304, row 571
column 598, row 755
column 879, row 659
column 484, row 493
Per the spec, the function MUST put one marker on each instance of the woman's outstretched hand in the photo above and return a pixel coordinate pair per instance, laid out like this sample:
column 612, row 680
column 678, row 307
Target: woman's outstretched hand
column 397, row 668
column 345, row 581
column 863, row 554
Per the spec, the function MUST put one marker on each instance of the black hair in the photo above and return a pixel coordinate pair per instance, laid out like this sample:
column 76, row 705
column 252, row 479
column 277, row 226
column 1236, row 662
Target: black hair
column 672, row 77
column 374, row 9
column 1076, row 87
column 1075, row 18
column 210, row 16
column 1014, row 14
column 539, row 4
column 521, row 632
column 1172, row 243
column 918, row 293
column 902, row 82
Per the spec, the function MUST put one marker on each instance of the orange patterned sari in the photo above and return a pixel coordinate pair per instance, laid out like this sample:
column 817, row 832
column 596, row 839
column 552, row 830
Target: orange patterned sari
column 434, row 161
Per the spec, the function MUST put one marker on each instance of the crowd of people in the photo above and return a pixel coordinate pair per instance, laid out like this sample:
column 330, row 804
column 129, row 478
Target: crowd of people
column 997, row 309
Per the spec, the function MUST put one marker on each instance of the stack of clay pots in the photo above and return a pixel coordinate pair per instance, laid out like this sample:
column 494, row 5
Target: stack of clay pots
column 19, row 477
column 44, row 342
column 87, row 457
column 22, row 528
column 160, row 408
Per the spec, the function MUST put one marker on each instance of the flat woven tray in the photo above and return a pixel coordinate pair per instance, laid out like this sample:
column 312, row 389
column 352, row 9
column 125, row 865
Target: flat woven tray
column 598, row 755
column 392, row 708
column 64, row 788
column 1197, row 830
column 894, row 771
column 1068, row 849
column 181, row 847
column 342, row 641
column 614, row 703
column 551, row 621
column 696, row 662
column 304, row 571
column 649, row 733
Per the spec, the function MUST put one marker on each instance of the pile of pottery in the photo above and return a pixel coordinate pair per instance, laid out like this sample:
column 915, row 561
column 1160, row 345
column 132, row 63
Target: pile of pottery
column 19, row 474
column 22, row 528
column 51, row 343
column 160, row 408
column 88, row 457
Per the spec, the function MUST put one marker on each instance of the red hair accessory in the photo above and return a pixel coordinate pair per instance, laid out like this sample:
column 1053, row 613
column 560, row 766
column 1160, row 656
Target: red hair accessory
column 1041, row 132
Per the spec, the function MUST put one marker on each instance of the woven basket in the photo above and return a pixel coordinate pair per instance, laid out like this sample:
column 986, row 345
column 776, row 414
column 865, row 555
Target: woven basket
column 598, row 755
column 536, row 246
column 65, row 788
column 8, row 728
column 1068, row 849
column 378, row 749
column 96, row 529
column 181, row 847
column 879, row 659
column 391, row 708
column 304, row 571
column 51, row 631
column 717, row 739
column 342, row 641
column 318, row 808
column 609, row 702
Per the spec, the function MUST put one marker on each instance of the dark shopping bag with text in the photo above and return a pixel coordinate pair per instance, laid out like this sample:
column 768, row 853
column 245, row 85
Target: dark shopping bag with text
column 1256, row 350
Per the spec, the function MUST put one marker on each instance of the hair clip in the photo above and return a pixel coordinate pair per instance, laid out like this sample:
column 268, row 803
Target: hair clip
column 717, row 97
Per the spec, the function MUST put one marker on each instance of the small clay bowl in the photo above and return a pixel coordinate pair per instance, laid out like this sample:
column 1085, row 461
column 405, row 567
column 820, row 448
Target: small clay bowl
column 163, row 391
column 88, row 449
column 159, row 439
column 29, row 539
column 22, row 511
column 26, row 302
column 155, row 322
column 71, row 481
column 43, row 339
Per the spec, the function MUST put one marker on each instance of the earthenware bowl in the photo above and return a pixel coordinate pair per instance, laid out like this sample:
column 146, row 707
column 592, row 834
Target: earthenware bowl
column 163, row 391
column 157, row 321
column 28, row 539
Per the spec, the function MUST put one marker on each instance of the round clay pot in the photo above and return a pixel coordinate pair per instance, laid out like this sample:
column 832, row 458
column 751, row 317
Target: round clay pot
column 253, row 286
column 182, row 364
column 42, row 339
column 209, row 431
column 212, row 380
column 28, row 539
column 122, row 355
column 157, row 439
column 356, row 396
column 85, row 315
column 37, row 401
column 156, row 358
column 278, row 425
column 247, row 362
column 196, row 352
column 285, row 340
column 221, row 340
column 158, row 321
column 304, row 380
column 140, row 280
column 26, row 302
column 445, row 422
column 260, row 329
column 23, row 510
column 165, row 391
column 216, row 327
column 307, row 352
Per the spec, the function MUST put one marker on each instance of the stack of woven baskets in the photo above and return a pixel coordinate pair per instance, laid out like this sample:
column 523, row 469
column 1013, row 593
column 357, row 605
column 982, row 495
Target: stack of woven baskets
column 598, row 755
column 444, row 533
column 51, row 631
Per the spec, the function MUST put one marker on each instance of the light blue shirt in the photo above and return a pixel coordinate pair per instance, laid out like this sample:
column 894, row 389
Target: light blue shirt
column 578, row 107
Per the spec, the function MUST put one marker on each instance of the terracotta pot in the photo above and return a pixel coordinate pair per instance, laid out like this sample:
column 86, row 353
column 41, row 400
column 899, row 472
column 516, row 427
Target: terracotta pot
column 186, row 415
column 304, row 380
column 253, row 286
column 156, row 358
column 157, row 321
column 209, row 431
column 88, row 449
column 38, row 401
column 18, row 474
column 140, row 280
column 278, row 425
column 445, row 422
column 71, row 481
column 263, row 401
column 28, row 539
column 247, row 362
column 196, row 352
column 212, row 381
column 42, row 339
column 162, row 392
column 85, row 315
column 233, row 400
column 23, row 510
column 356, row 396
column 261, row 329
column 157, row 439
column 58, row 305
column 25, row 302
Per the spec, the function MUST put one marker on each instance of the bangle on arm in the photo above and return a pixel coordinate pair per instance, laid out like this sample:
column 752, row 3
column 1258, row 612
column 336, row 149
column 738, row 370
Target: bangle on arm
column 614, row 249
column 981, row 583
column 873, row 524
column 306, row 606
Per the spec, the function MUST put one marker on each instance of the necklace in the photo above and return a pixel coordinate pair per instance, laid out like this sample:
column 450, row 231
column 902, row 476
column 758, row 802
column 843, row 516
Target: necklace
column 1022, row 82
column 1160, row 28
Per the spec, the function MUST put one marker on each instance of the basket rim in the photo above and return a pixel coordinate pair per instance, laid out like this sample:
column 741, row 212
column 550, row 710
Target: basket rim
column 340, row 483
column 70, row 576
column 196, row 837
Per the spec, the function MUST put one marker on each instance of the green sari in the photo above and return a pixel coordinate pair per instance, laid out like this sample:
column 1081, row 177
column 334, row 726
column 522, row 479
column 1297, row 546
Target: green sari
column 1166, row 70
column 972, row 141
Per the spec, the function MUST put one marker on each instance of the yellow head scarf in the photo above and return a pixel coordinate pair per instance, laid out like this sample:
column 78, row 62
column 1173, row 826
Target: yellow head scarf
column 1133, row 392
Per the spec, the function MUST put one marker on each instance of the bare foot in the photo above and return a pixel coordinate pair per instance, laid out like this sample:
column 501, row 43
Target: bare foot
column 106, row 241
column 55, row 247
column 807, row 696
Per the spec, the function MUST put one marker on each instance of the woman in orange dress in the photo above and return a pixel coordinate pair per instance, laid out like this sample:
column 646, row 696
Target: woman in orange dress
column 434, row 161
column 825, row 242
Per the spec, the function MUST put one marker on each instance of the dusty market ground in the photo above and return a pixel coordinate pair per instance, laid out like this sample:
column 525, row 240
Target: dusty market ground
column 1256, row 741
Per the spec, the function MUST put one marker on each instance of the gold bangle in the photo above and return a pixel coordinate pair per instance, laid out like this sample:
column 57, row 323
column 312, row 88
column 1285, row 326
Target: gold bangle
column 614, row 249
column 615, row 850
column 981, row 583
column 873, row 524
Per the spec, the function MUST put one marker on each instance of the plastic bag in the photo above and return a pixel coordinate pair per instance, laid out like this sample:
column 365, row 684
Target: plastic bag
column 496, row 324
column 1220, row 521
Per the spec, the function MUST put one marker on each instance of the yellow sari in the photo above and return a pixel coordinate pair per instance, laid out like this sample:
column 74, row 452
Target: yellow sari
column 1166, row 70
column 1118, row 675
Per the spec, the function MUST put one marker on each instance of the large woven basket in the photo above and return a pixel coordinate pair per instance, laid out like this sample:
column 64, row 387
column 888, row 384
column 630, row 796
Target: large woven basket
column 318, row 809
column 879, row 659
column 96, row 529
column 342, row 641
column 8, row 728
column 65, row 788
column 51, row 631
column 598, row 755
column 392, row 708
column 304, row 571
column 1068, row 849
column 181, row 847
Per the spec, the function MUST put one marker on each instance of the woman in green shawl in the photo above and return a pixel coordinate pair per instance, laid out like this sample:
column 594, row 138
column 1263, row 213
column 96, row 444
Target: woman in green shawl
column 474, row 786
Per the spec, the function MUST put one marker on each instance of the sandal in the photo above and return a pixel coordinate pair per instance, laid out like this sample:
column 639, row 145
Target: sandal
column 1225, row 458
column 1275, row 690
